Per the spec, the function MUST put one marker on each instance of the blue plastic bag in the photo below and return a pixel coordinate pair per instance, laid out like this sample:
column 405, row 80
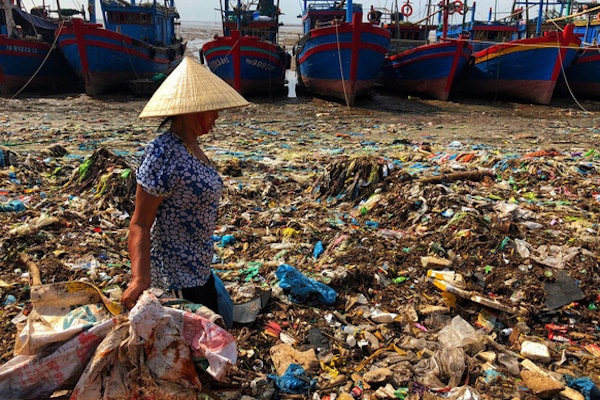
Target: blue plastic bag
column 300, row 288
column 224, row 301
column 585, row 385
column 318, row 249
column 293, row 380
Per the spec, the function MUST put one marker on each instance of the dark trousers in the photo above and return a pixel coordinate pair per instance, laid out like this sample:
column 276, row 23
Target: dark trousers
column 205, row 295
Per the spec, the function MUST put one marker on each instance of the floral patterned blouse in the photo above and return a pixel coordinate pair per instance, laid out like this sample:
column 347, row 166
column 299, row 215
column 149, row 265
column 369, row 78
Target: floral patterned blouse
column 181, row 236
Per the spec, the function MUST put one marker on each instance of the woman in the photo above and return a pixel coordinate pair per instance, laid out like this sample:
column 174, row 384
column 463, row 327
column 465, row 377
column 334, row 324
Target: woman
column 178, row 190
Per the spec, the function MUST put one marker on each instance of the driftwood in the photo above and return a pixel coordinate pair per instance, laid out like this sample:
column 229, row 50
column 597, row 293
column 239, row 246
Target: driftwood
column 34, row 272
column 457, row 176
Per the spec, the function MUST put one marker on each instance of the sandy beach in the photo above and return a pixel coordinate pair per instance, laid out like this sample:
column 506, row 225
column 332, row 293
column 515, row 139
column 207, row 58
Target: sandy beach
column 389, row 187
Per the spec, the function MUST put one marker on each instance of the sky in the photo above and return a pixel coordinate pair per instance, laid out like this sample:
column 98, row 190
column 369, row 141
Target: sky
column 208, row 10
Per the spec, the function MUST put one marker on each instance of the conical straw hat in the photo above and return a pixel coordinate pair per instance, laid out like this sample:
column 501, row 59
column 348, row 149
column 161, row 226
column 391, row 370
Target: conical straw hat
column 191, row 88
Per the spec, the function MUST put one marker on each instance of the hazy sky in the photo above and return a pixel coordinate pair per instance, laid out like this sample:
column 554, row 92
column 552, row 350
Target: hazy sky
column 207, row 10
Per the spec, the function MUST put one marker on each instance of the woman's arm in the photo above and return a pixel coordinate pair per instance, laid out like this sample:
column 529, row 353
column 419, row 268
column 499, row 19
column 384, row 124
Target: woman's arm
column 146, row 206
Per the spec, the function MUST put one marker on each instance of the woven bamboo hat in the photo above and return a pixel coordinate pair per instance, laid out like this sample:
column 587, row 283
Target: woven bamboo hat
column 191, row 88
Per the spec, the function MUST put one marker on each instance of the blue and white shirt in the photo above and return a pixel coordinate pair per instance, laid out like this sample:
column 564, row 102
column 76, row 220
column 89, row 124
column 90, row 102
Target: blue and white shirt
column 181, row 236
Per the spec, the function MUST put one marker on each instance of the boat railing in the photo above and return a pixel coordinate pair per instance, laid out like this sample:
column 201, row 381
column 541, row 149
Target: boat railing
column 328, row 5
column 321, row 23
column 398, row 45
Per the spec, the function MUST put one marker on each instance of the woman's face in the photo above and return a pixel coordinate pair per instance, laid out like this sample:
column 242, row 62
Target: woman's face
column 206, row 121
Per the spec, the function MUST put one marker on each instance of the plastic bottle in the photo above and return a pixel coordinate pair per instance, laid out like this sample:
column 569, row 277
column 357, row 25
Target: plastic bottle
column 350, row 329
column 351, row 340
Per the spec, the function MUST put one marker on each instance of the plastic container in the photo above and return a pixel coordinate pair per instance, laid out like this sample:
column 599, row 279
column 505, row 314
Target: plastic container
column 350, row 329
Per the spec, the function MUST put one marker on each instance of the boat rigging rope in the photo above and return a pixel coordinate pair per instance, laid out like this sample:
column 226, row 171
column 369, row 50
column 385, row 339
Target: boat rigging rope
column 232, row 47
column 337, row 39
column 564, row 75
column 42, row 64
column 130, row 60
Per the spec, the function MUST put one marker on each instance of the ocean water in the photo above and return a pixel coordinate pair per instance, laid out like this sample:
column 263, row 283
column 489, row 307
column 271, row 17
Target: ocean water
column 199, row 32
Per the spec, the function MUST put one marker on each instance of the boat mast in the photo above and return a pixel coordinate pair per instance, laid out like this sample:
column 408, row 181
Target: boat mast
column 276, row 19
column 445, row 18
column 538, row 26
column 224, row 15
column 429, row 20
column 91, row 10
column 349, row 11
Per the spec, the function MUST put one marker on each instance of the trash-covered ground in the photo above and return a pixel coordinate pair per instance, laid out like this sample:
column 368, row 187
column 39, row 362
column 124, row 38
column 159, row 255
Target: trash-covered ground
column 460, row 239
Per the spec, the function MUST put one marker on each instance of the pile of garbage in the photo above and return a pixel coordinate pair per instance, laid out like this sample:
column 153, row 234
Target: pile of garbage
column 418, row 272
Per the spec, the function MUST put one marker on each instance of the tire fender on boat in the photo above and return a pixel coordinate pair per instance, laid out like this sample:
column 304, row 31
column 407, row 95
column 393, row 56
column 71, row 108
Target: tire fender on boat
column 201, row 56
column 406, row 10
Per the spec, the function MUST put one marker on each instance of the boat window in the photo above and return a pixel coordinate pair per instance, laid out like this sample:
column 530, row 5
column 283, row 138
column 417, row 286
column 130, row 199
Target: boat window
column 129, row 18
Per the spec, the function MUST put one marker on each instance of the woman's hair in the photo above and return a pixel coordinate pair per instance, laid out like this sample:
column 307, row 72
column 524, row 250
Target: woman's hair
column 165, row 122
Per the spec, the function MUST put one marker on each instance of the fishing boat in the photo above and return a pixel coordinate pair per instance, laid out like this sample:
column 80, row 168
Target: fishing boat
column 136, row 42
column 339, row 56
column 28, row 60
column 519, row 56
column 416, row 66
column 581, row 78
column 247, row 55
column 525, row 69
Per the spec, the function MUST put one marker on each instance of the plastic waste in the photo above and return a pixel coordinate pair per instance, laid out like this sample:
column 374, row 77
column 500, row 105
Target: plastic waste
column 351, row 340
column 318, row 249
column 535, row 351
column 463, row 393
column 584, row 385
column 350, row 329
column 13, row 206
column 459, row 333
column 511, row 363
column 301, row 289
column 293, row 381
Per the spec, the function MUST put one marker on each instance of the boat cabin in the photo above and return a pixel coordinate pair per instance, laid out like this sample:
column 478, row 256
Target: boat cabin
column 152, row 22
column 587, row 22
column 259, row 19
column 19, row 24
column 325, row 13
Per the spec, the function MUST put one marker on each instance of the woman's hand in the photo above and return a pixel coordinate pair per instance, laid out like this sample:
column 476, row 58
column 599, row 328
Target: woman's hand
column 133, row 292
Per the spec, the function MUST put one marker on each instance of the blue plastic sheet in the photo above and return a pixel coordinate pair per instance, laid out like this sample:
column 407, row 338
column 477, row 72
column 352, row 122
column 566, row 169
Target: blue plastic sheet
column 293, row 380
column 585, row 385
column 13, row 206
column 318, row 249
column 301, row 289
column 224, row 301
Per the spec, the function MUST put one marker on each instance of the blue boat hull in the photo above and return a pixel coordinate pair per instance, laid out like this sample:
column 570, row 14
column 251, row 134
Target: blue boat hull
column 427, row 70
column 341, row 61
column 26, row 65
column 581, row 77
column 525, row 69
column 109, row 61
column 249, row 65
